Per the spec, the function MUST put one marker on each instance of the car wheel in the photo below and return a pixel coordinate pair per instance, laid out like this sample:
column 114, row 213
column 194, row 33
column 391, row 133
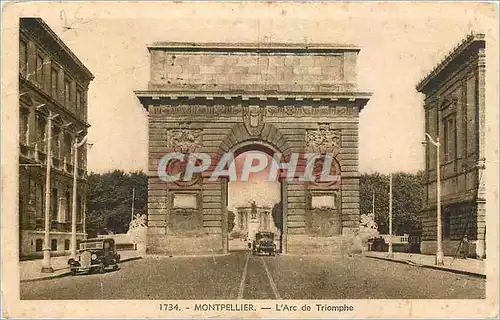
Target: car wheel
column 101, row 268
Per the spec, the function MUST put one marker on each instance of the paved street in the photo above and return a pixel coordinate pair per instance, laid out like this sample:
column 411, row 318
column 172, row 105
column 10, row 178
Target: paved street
column 241, row 275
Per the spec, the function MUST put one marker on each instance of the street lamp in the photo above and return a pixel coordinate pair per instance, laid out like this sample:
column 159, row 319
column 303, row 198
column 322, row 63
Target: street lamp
column 76, row 145
column 439, row 251
column 390, row 254
column 46, row 263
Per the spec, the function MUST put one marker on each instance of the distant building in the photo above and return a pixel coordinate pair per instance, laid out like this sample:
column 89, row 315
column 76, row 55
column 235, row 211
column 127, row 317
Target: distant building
column 52, row 81
column 455, row 110
column 252, row 220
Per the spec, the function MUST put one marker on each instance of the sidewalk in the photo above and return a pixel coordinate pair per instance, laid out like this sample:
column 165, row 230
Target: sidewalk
column 31, row 270
column 472, row 267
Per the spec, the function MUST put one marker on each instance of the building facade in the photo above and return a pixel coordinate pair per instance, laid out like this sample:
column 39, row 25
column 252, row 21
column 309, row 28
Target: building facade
column 250, row 220
column 53, row 83
column 454, row 106
column 275, row 98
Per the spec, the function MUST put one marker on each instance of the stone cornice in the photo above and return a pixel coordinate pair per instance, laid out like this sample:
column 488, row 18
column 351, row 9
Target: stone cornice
column 37, row 27
column 253, row 47
column 464, row 45
column 148, row 97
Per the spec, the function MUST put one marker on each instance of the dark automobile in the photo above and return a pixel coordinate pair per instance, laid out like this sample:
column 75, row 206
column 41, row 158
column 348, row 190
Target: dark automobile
column 95, row 254
column 264, row 243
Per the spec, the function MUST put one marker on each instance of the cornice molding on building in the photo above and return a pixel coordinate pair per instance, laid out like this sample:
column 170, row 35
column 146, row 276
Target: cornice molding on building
column 258, row 207
column 156, row 94
column 465, row 44
column 469, row 200
column 253, row 47
column 48, row 98
column 453, row 78
column 49, row 32
column 358, row 99
column 59, row 173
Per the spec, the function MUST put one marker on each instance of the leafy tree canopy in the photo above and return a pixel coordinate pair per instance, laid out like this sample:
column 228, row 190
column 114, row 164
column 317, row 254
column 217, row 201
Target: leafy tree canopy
column 230, row 220
column 408, row 196
column 109, row 200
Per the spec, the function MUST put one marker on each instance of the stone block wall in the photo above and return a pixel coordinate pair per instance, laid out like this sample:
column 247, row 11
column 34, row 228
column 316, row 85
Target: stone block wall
column 287, row 68
column 237, row 98
column 454, row 111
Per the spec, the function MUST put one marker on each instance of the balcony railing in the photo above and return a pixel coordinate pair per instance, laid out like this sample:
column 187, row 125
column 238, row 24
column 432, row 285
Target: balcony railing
column 61, row 164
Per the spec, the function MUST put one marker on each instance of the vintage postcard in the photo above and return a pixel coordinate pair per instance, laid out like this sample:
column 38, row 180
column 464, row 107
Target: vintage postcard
column 250, row 159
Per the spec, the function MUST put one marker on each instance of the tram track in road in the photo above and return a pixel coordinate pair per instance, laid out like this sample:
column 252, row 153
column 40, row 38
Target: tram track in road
column 240, row 275
column 253, row 284
column 271, row 281
column 241, row 289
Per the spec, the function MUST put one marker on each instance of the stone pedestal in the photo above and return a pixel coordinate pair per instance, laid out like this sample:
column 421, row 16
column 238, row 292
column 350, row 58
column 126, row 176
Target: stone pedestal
column 139, row 238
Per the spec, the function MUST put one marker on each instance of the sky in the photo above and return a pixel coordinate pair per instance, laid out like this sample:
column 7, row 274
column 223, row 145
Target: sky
column 400, row 44
column 257, row 188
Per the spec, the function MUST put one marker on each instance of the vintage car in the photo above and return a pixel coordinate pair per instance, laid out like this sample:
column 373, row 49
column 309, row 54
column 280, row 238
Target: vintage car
column 264, row 243
column 95, row 254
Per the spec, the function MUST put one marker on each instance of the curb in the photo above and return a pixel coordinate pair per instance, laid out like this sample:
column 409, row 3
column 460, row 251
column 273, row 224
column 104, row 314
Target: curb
column 467, row 273
column 55, row 276
column 166, row 256
column 130, row 259
column 67, row 273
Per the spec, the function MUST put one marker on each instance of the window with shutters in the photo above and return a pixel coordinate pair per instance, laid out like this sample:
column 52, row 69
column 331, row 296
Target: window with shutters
column 54, row 83
column 38, row 245
column 39, row 200
column 67, row 91
column 449, row 138
column 53, row 245
column 23, row 126
column 54, row 199
column 56, row 144
column 79, row 105
column 68, row 148
column 39, row 69
column 41, row 125
column 23, row 58
column 68, row 206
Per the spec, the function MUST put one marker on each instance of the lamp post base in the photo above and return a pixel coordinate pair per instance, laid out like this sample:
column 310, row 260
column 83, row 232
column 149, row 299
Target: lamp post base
column 47, row 270
column 46, row 265
column 439, row 258
column 390, row 253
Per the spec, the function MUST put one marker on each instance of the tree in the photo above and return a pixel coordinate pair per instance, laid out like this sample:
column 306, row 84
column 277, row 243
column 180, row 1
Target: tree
column 230, row 220
column 408, row 195
column 109, row 200
column 277, row 214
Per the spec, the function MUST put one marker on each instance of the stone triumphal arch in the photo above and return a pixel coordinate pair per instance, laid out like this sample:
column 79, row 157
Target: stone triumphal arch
column 216, row 98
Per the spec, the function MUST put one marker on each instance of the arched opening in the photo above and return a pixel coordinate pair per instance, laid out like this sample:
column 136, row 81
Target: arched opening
column 254, row 200
column 38, row 245
column 53, row 245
